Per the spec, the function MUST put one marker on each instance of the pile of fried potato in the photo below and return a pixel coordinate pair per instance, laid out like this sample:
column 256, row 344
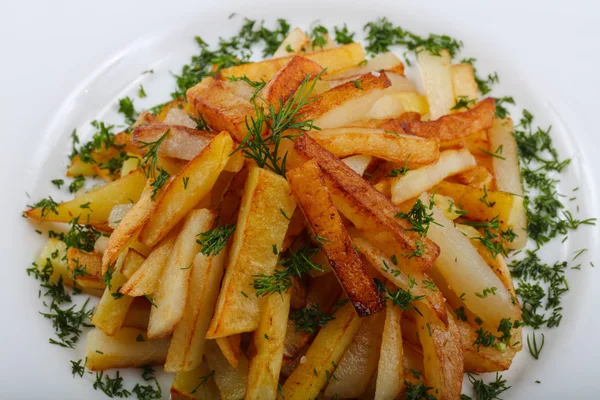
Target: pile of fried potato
column 381, row 148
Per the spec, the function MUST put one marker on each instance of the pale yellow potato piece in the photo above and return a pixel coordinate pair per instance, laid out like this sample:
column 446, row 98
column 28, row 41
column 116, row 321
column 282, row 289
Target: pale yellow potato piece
column 178, row 198
column 416, row 181
column 394, row 104
column 463, row 81
column 53, row 257
column 437, row 81
column 447, row 205
column 172, row 293
column 295, row 40
column 90, row 263
column 187, row 342
column 230, row 381
column 390, row 372
column 138, row 314
column 322, row 357
column 111, row 311
column 230, row 346
column 508, row 173
column 382, row 62
column 146, row 279
column 127, row 189
column 180, row 141
column 194, row 385
column 129, row 347
column 130, row 165
column 359, row 362
column 265, row 196
column 358, row 163
column 268, row 339
column 467, row 272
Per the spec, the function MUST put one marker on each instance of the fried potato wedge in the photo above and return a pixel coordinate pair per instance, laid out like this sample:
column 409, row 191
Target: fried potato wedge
column 346, row 103
column 322, row 357
column 443, row 364
column 477, row 177
column 382, row 62
column 395, row 104
column 416, row 181
column 138, row 314
column 123, row 350
column 390, row 372
column 268, row 340
column 128, row 230
column 230, row 346
column 474, row 276
column 437, row 81
column 171, row 294
column 505, row 206
column 335, row 60
column 359, row 362
column 94, row 207
column 344, row 142
column 53, row 261
column 358, row 163
column 86, row 267
column 181, row 142
column 463, row 81
column 292, row 44
column 230, row 381
column 111, row 311
column 187, row 342
column 456, row 126
column 508, row 174
column 145, row 280
column 197, row 384
column 310, row 190
column 265, row 200
column 179, row 197
column 287, row 80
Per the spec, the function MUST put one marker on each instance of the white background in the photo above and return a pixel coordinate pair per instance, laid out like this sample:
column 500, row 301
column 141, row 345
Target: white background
column 49, row 47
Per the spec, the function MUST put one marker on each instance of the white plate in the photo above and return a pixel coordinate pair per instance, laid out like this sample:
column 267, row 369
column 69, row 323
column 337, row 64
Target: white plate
column 67, row 63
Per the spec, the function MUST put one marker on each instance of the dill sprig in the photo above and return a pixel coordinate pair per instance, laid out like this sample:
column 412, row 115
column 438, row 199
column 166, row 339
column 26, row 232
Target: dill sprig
column 420, row 216
column 403, row 299
column 214, row 240
column 112, row 387
column 463, row 102
column 150, row 159
column 343, row 35
column 203, row 380
column 127, row 108
column 488, row 391
column 312, row 318
column 418, row 391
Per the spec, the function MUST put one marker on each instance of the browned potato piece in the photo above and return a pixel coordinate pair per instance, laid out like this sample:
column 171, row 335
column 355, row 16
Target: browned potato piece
column 87, row 267
column 368, row 209
column 344, row 142
column 456, row 126
column 266, row 198
column 477, row 177
column 97, row 204
column 181, row 142
column 178, row 197
column 313, row 197
column 123, row 350
column 347, row 102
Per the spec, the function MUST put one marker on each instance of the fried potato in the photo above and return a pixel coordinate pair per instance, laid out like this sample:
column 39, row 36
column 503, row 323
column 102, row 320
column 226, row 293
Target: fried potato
column 412, row 362
column 178, row 197
column 194, row 385
column 344, row 142
column 181, row 142
column 505, row 206
column 310, row 190
column 456, row 126
column 477, row 177
column 230, row 346
column 111, row 311
column 138, row 314
column 287, row 80
column 53, row 261
column 382, row 62
column 358, row 163
column 80, row 168
column 292, row 44
column 87, row 267
column 230, row 381
column 443, row 364
column 180, row 117
column 265, row 201
column 322, row 357
column 508, row 174
column 95, row 206
column 145, row 280
column 437, row 81
column 128, row 230
column 172, row 292
column 346, row 103
column 359, row 362
column 335, row 60
column 369, row 210
column 129, row 347
column 416, row 181
column 474, row 276
column 130, row 165
column 268, row 340
column 463, row 81
column 393, row 105
column 295, row 228
column 390, row 372
column 447, row 206
column 187, row 343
